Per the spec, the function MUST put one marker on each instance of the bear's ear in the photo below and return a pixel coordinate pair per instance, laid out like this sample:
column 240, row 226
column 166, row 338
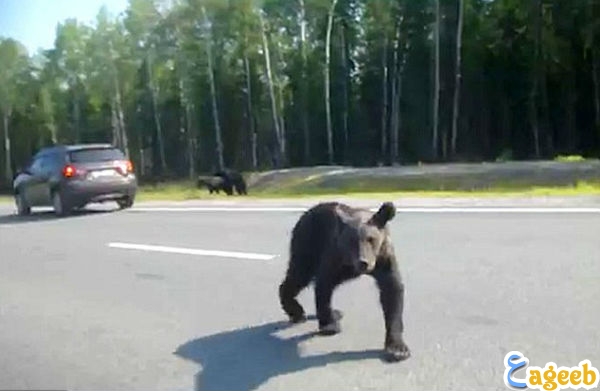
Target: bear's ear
column 345, row 217
column 386, row 212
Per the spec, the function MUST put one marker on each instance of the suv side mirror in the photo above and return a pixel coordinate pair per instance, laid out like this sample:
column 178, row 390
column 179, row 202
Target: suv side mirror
column 24, row 170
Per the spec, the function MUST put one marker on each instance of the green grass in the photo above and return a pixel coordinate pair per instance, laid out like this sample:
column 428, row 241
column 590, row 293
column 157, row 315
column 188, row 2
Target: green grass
column 180, row 191
column 375, row 188
column 569, row 158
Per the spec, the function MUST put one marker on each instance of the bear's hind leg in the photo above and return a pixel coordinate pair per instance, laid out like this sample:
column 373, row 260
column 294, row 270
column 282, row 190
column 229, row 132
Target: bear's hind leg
column 288, row 290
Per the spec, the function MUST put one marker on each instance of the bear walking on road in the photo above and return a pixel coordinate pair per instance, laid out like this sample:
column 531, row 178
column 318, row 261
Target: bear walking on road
column 332, row 243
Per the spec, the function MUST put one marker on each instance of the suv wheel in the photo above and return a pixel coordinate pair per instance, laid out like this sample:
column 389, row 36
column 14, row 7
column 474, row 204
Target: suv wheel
column 125, row 203
column 58, row 202
column 22, row 208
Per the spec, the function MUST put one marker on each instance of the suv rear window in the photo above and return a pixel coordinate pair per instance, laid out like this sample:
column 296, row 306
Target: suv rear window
column 96, row 155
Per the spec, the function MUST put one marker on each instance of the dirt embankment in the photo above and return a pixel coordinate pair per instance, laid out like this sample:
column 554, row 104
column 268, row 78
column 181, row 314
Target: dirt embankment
column 429, row 177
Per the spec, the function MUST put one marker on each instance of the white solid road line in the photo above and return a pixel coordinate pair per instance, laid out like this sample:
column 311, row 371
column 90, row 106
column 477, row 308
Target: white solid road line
column 497, row 210
column 218, row 209
column 191, row 251
column 398, row 209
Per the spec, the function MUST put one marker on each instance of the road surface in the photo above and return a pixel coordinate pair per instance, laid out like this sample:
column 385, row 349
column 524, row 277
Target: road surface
column 171, row 299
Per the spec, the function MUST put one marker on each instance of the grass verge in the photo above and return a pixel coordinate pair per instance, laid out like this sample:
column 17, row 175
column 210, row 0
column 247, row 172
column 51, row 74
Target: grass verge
column 181, row 191
column 365, row 188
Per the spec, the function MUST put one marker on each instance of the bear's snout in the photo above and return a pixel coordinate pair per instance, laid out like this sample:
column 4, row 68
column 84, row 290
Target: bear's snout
column 364, row 266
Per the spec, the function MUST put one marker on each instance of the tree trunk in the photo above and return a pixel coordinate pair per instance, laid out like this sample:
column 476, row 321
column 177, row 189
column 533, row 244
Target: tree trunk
column 185, row 127
column 182, row 107
column 436, row 93
column 458, row 78
column 76, row 116
column 506, row 123
column 8, row 173
column 213, row 93
column 121, row 119
column 270, row 84
column 141, row 147
column 250, row 113
column 345, row 94
column 122, row 131
column 400, row 81
column 304, row 83
column 596, row 76
column 48, row 110
column 327, row 82
column 53, row 133
column 593, row 15
column 533, row 107
column 281, row 111
column 395, row 115
column 384, row 111
column 485, row 125
column 571, row 116
column 189, row 112
column 398, row 78
column 156, row 115
column 547, row 128
column 533, row 118
column 114, row 124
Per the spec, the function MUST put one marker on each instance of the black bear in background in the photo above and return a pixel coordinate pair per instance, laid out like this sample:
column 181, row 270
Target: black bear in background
column 333, row 243
column 214, row 184
column 233, row 180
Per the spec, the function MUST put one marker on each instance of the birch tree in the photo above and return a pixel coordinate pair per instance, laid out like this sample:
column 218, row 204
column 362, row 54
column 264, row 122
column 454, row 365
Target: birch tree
column 458, row 76
column 269, row 74
column 327, row 84
column 213, row 91
column 436, row 89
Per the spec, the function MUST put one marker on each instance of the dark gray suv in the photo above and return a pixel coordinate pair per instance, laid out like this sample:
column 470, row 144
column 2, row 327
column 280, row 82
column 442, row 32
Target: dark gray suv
column 69, row 177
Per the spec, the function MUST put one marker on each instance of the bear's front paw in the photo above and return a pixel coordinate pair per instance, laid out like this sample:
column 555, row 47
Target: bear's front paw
column 396, row 351
column 330, row 329
column 337, row 315
column 298, row 318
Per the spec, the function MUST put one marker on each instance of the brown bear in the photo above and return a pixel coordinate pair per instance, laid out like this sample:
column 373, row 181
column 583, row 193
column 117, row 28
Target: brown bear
column 333, row 243
column 214, row 184
column 233, row 180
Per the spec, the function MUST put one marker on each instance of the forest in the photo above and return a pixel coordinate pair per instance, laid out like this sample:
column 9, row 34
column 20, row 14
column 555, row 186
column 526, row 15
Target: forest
column 189, row 86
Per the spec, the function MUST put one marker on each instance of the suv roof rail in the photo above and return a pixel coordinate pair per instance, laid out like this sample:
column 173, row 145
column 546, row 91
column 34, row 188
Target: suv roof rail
column 72, row 147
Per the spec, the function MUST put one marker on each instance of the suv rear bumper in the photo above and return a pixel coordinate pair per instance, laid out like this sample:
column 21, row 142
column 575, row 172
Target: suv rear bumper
column 81, row 192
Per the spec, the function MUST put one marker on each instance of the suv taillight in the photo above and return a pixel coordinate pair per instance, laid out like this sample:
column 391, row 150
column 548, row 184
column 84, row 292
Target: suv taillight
column 69, row 171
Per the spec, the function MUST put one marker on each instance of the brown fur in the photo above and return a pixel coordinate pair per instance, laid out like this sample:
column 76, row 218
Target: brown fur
column 214, row 184
column 333, row 243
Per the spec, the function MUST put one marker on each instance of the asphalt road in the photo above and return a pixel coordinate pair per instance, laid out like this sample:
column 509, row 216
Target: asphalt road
column 78, row 314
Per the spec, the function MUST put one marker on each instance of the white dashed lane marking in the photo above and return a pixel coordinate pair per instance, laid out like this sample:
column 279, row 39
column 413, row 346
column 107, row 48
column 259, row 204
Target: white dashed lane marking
column 191, row 251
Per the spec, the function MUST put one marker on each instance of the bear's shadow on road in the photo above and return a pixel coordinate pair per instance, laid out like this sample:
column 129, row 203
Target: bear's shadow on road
column 243, row 359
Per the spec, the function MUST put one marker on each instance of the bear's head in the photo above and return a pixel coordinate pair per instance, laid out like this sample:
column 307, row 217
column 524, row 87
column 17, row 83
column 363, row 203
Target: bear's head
column 364, row 237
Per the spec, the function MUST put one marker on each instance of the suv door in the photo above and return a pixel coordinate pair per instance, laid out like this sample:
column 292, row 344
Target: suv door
column 30, row 186
column 50, row 171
